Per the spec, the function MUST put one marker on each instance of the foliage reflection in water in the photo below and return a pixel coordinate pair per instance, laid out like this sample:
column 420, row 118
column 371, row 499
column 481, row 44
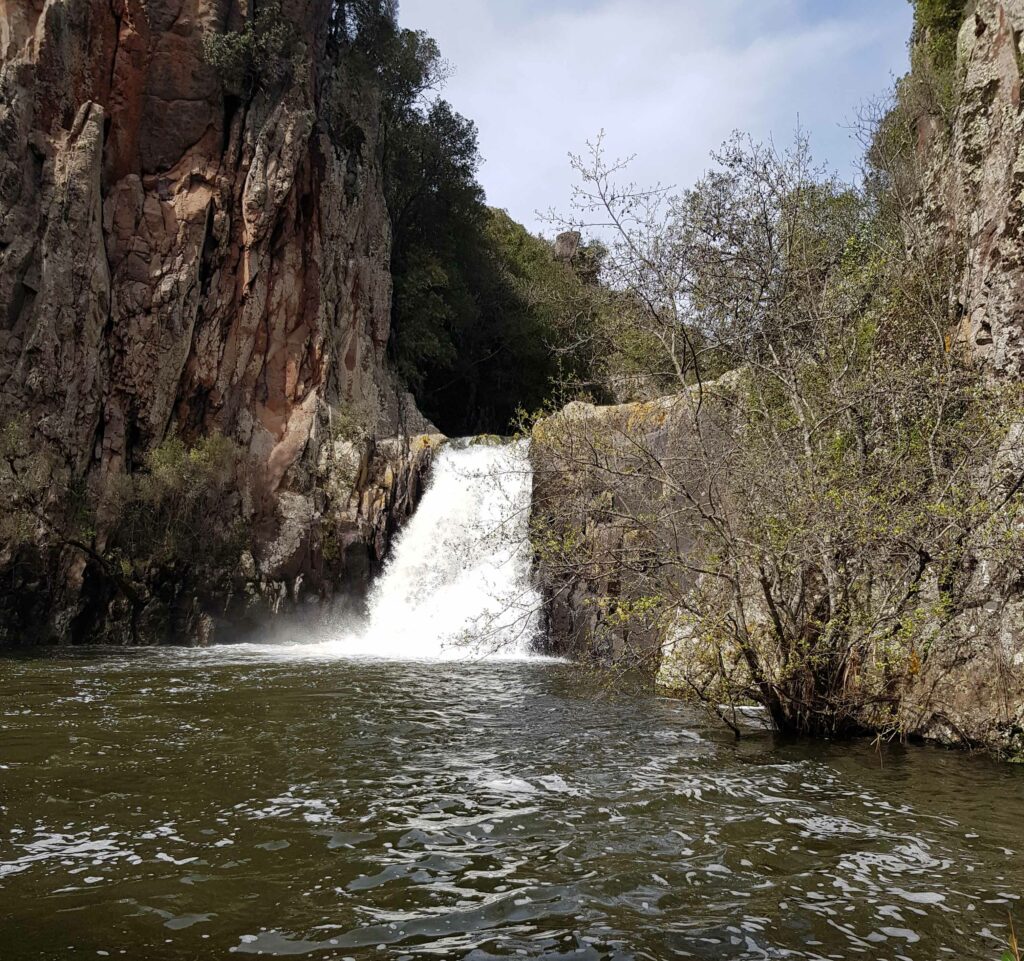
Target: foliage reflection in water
column 189, row 805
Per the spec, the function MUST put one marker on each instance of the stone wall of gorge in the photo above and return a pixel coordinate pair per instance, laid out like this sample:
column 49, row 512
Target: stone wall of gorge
column 178, row 260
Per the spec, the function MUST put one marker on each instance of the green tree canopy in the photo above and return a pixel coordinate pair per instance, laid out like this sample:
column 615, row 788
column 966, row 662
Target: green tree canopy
column 485, row 321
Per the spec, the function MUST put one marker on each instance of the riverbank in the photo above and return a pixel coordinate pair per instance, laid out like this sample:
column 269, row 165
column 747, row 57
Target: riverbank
column 649, row 557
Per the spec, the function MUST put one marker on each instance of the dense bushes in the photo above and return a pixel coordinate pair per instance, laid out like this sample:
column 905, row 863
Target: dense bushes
column 260, row 55
column 492, row 325
column 936, row 25
column 180, row 511
column 175, row 518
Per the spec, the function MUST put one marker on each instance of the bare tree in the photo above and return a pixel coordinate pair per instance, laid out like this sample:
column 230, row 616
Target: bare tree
column 802, row 531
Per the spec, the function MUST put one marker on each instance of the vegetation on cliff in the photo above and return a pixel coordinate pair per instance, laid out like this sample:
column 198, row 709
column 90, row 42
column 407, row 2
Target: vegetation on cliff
column 171, row 522
column 931, row 84
column 262, row 54
column 821, row 531
column 936, row 25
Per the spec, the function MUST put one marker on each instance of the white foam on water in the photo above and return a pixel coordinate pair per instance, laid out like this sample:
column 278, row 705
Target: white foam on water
column 458, row 584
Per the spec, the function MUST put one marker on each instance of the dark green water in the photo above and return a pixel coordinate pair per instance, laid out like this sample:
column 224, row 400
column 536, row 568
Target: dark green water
column 202, row 806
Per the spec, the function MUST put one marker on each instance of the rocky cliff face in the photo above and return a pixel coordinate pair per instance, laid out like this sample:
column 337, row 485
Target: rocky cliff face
column 178, row 260
column 977, row 176
column 974, row 193
column 327, row 544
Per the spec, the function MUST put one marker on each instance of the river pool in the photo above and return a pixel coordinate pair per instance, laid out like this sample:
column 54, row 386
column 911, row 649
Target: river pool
column 203, row 804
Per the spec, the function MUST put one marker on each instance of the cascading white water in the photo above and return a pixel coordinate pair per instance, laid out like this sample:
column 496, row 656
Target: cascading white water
column 458, row 583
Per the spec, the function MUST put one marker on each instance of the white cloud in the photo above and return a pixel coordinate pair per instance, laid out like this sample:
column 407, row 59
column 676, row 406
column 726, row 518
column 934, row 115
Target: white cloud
column 667, row 79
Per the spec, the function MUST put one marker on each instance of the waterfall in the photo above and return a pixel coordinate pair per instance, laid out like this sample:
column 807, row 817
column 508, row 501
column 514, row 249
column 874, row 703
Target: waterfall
column 458, row 582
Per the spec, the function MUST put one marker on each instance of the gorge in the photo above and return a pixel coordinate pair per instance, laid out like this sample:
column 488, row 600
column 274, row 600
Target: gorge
column 379, row 579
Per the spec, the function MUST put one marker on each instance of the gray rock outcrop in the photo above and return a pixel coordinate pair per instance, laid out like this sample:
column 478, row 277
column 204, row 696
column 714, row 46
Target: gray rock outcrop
column 977, row 172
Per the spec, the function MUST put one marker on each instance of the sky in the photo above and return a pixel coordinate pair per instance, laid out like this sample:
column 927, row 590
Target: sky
column 667, row 80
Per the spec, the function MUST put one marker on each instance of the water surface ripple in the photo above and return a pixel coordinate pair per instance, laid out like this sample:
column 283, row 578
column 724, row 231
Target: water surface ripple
column 175, row 805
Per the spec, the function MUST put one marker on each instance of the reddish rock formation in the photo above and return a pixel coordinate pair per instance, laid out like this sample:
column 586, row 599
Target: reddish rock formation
column 174, row 259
